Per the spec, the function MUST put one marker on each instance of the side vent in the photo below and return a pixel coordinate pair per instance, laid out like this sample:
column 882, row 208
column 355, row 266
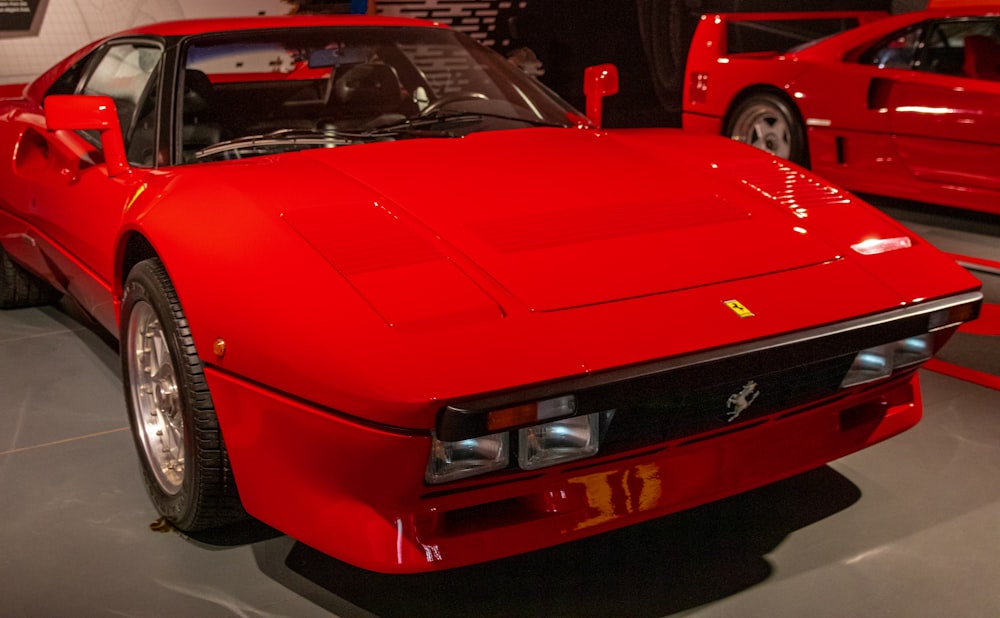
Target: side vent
column 878, row 93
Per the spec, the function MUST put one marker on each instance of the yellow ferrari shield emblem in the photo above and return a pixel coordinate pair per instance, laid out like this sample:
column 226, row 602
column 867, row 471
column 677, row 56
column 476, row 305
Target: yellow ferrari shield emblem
column 739, row 308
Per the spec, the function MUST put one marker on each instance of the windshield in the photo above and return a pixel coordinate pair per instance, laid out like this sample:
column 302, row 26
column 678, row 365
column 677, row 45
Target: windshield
column 262, row 92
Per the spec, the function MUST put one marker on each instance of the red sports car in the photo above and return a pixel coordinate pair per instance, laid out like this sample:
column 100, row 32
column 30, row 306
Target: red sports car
column 380, row 290
column 905, row 106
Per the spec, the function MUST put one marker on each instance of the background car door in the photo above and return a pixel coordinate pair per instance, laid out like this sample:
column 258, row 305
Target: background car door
column 76, row 201
column 945, row 113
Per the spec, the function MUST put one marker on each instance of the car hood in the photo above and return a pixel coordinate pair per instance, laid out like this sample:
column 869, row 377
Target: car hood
column 556, row 218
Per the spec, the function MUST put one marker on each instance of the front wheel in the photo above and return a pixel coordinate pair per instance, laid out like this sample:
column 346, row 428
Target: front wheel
column 182, row 454
column 767, row 122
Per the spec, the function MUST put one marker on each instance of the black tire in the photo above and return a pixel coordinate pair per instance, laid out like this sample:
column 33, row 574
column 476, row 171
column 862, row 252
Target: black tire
column 20, row 288
column 181, row 450
column 768, row 122
column 666, row 28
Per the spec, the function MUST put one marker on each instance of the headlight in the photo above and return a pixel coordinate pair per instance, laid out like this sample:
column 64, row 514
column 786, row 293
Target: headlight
column 451, row 461
column 562, row 437
column 557, row 442
column 911, row 351
column 880, row 361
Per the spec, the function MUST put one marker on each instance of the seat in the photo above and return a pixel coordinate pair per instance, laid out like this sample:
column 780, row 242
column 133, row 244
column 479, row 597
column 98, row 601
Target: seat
column 364, row 96
column 199, row 126
column 982, row 58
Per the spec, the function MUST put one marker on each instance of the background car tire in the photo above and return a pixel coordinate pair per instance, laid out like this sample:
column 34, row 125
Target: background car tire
column 768, row 122
column 181, row 450
column 19, row 288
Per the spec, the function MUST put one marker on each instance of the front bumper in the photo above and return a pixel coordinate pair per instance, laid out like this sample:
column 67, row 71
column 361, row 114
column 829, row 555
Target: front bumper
column 356, row 491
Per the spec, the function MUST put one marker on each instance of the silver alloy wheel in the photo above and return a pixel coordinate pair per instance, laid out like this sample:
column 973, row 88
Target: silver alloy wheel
column 764, row 126
column 155, row 397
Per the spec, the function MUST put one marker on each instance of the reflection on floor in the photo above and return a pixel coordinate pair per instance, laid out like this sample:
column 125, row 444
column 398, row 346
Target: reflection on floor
column 907, row 528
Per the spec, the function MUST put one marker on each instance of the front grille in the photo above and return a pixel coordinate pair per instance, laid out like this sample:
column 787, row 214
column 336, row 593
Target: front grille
column 657, row 411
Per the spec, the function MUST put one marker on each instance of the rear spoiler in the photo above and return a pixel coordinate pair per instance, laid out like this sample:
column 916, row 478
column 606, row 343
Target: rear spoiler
column 722, row 34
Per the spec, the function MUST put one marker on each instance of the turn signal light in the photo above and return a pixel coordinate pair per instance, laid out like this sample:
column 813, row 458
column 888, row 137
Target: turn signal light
column 874, row 246
column 531, row 413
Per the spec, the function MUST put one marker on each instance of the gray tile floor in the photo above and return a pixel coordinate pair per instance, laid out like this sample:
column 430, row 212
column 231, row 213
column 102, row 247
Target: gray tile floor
column 910, row 527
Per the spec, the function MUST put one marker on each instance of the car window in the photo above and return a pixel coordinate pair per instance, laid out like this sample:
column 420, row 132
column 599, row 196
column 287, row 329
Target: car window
column 896, row 51
column 124, row 73
column 69, row 82
column 964, row 47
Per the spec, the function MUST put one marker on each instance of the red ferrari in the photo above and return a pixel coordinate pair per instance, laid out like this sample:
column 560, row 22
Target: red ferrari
column 905, row 106
column 380, row 290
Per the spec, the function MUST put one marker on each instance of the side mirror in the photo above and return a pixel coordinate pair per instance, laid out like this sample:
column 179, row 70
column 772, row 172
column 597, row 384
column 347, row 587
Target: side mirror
column 90, row 113
column 598, row 82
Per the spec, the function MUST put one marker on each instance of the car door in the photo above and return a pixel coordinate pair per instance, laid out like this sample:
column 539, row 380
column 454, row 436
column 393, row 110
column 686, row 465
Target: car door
column 945, row 111
column 77, row 202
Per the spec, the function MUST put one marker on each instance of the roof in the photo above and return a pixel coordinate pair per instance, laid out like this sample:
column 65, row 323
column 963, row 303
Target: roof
column 203, row 26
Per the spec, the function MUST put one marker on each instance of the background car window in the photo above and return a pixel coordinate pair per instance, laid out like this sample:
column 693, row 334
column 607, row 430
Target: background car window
column 967, row 47
column 123, row 73
column 897, row 51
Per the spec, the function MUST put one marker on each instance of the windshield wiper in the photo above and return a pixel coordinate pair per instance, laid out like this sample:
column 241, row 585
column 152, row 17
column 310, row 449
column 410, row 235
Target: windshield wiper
column 436, row 123
column 535, row 122
column 439, row 120
column 283, row 137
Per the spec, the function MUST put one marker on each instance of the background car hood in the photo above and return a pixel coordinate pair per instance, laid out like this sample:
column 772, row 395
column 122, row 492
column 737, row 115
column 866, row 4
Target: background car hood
column 558, row 218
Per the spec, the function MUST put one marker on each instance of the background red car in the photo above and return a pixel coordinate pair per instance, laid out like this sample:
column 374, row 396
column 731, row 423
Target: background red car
column 905, row 106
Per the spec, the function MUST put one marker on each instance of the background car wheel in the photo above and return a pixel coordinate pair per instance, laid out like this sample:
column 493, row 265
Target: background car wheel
column 767, row 122
column 19, row 288
column 181, row 450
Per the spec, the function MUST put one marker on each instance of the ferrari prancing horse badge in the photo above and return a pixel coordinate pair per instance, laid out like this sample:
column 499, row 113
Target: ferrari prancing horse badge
column 738, row 308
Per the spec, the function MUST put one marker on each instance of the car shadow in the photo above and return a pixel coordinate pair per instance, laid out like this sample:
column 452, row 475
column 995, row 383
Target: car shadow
column 657, row 568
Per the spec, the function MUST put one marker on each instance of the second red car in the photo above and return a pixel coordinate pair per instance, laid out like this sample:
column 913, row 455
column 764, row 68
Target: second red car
column 906, row 106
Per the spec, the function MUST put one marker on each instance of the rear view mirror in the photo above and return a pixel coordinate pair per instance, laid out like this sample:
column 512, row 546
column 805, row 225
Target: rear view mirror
column 90, row 113
column 598, row 82
column 322, row 58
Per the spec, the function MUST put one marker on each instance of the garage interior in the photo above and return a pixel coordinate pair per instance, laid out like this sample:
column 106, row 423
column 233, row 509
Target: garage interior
column 909, row 527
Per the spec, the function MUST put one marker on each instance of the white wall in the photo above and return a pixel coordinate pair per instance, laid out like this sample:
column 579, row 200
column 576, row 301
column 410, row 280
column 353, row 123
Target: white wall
column 70, row 24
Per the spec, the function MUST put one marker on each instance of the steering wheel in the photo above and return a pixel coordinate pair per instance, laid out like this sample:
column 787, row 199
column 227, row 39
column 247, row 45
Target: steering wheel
column 454, row 97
